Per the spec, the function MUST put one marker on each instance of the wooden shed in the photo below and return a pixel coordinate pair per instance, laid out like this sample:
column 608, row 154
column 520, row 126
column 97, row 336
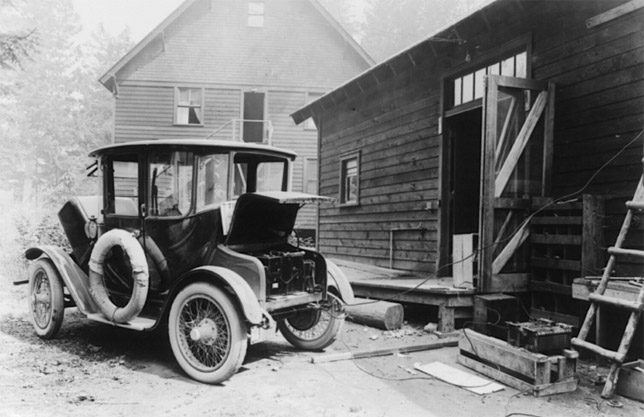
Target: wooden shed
column 235, row 70
column 454, row 143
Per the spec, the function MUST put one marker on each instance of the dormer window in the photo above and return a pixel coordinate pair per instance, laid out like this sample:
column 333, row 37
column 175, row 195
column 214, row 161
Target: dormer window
column 256, row 14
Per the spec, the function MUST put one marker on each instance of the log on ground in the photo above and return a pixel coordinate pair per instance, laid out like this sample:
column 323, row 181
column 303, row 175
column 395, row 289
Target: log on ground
column 376, row 313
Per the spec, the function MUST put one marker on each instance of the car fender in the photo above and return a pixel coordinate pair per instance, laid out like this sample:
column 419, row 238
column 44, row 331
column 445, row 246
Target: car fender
column 73, row 276
column 335, row 277
column 246, row 298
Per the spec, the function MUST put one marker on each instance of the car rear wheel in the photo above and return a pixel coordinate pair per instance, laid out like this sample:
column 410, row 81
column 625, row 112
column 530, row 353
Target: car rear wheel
column 313, row 329
column 207, row 333
column 46, row 299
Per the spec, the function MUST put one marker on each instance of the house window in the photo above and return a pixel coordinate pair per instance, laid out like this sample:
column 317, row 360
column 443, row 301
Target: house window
column 189, row 106
column 310, row 182
column 350, row 179
column 256, row 14
column 470, row 87
column 309, row 124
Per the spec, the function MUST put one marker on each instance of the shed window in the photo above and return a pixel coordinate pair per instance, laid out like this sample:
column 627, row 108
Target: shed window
column 350, row 179
column 469, row 87
column 256, row 14
column 189, row 106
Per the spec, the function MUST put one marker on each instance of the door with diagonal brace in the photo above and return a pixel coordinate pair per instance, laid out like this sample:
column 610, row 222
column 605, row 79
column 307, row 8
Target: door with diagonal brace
column 516, row 165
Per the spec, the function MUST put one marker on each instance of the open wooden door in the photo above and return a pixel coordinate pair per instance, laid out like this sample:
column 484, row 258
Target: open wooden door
column 516, row 164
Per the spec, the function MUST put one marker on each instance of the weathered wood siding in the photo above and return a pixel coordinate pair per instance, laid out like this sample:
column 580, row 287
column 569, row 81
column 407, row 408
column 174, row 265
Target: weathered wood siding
column 399, row 155
column 392, row 114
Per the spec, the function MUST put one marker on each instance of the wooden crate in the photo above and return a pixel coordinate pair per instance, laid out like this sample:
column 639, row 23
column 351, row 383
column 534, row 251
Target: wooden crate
column 518, row 368
column 566, row 243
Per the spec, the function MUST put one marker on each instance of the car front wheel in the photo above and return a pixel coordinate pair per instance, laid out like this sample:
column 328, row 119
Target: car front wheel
column 313, row 329
column 207, row 333
column 46, row 299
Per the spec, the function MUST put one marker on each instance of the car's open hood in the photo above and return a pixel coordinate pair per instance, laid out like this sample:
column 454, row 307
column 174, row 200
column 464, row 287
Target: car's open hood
column 267, row 217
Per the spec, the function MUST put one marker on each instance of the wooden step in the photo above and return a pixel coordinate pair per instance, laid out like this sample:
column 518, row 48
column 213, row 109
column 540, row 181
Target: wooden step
column 608, row 354
column 626, row 252
column 617, row 302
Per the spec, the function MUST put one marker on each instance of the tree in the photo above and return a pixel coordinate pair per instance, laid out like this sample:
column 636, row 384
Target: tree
column 15, row 45
column 56, row 111
column 385, row 27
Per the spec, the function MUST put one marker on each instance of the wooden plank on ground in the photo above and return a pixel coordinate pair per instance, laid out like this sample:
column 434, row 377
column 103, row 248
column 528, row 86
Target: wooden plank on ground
column 559, row 387
column 358, row 354
column 499, row 352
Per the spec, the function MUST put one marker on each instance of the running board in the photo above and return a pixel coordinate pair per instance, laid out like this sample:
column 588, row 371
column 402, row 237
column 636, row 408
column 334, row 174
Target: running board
column 139, row 323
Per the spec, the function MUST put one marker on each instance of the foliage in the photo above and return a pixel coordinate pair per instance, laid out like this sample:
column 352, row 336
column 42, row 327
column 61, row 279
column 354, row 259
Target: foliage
column 385, row 27
column 56, row 112
column 16, row 44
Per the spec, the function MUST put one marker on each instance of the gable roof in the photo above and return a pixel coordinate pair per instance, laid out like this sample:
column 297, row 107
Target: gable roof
column 109, row 78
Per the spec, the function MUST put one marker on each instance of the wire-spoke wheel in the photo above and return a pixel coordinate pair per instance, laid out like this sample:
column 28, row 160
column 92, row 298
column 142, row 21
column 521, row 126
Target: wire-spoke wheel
column 207, row 334
column 46, row 299
column 313, row 329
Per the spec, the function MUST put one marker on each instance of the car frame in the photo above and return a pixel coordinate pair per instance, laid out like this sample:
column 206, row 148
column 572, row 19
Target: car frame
column 196, row 234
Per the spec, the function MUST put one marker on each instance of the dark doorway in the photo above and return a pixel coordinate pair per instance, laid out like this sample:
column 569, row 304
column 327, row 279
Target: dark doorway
column 465, row 176
column 253, row 117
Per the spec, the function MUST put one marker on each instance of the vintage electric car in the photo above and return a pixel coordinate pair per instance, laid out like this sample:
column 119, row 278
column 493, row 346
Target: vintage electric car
column 197, row 234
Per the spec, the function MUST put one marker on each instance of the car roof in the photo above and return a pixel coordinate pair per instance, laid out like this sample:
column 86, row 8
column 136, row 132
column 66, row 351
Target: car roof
column 201, row 144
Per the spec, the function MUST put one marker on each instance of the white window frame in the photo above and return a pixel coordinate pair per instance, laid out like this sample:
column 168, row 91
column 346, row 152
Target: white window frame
column 178, row 105
column 310, row 170
column 344, row 177
column 256, row 14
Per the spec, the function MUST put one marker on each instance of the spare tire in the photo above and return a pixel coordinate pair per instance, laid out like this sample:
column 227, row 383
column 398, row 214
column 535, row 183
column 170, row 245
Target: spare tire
column 140, row 276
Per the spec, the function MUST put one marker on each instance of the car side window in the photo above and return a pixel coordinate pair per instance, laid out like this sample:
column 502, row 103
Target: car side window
column 170, row 183
column 212, row 181
column 123, row 186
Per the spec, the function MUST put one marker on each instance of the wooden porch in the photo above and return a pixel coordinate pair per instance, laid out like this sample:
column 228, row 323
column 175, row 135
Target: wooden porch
column 408, row 287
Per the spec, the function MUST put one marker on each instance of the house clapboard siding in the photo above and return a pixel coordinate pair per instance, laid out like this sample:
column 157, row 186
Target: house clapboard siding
column 394, row 116
column 207, row 44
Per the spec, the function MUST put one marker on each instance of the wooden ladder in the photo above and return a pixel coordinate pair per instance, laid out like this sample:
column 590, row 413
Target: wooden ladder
column 615, row 357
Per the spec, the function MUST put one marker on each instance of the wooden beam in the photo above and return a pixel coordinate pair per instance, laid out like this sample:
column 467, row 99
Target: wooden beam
column 384, row 351
column 505, row 129
column 486, row 213
column 509, row 249
column 548, row 142
column 522, row 83
column 614, row 13
column 519, row 144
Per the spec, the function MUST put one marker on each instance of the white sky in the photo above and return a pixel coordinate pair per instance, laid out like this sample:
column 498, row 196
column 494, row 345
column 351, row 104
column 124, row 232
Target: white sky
column 141, row 16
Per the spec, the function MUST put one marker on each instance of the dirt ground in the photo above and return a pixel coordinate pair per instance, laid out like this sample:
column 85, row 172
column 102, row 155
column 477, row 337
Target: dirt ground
column 97, row 370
